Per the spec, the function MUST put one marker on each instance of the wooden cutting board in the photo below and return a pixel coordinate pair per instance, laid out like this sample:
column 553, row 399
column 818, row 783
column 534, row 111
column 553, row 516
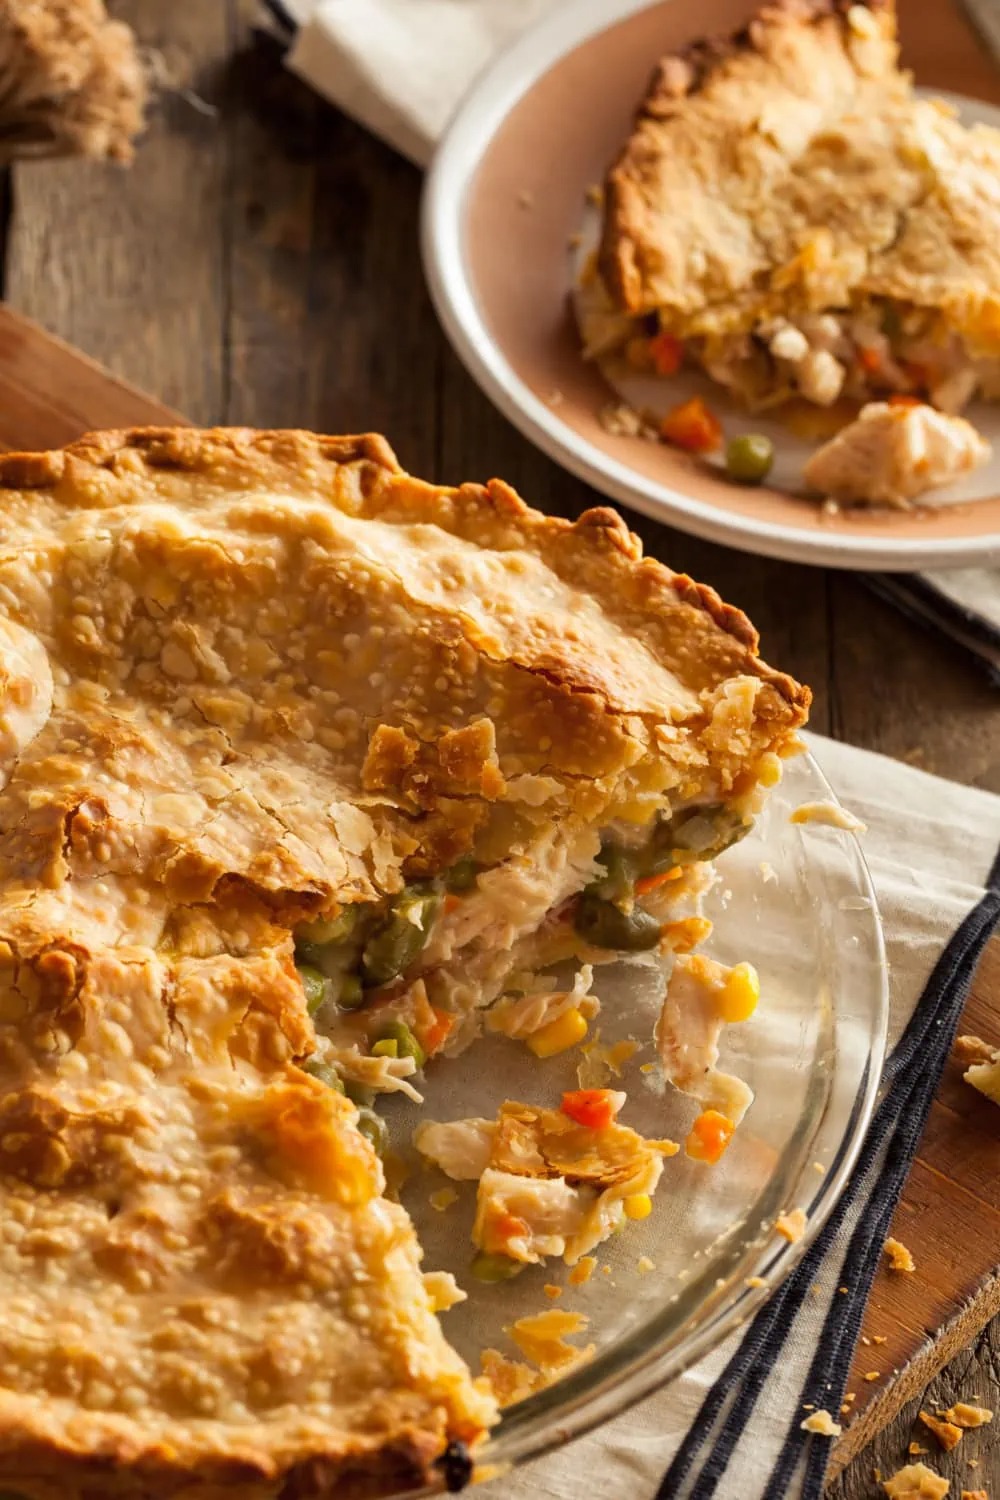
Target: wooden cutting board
column 51, row 393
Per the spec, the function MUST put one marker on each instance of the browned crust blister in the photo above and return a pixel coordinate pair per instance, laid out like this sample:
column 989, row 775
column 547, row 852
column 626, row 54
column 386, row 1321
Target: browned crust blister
column 246, row 677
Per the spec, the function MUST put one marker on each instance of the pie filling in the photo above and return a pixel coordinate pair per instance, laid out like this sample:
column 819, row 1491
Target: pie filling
column 878, row 348
column 393, row 983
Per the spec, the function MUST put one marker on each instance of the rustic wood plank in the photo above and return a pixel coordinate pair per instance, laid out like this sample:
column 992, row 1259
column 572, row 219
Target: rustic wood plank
column 130, row 264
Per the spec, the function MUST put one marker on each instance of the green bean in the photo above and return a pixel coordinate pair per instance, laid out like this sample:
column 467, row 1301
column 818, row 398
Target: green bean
column 622, row 867
column 325, row 1074
column 394, row 946
column 607, row 926
column 749, row 458
column 490, row 1268
column 406, row 1043
column 318, row 989
column 361, row 1094
column 463, row 874
column 374, row 1129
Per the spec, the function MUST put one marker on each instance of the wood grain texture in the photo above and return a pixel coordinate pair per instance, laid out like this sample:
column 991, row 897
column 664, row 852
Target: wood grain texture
column 259, row 266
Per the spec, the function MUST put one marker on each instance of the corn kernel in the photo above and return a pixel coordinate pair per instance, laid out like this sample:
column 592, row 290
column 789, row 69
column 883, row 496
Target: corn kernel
column 564, row 1032
column 638, row 1206
column 740, row 994
column 769, row 770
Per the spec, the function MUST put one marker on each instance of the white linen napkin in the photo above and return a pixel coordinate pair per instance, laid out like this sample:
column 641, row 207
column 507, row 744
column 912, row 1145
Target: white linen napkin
column 401, row 66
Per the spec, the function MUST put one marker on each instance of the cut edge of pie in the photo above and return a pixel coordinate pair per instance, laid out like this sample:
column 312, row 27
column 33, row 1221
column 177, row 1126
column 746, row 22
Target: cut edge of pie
column 252, row 683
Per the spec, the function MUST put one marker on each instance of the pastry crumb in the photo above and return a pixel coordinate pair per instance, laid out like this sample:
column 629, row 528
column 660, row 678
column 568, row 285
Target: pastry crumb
column 916, row 1448
column 443, row 1199
column 972, row 1049
column 830, row 815
column 443, row 1290
column 543, row 1338
column 553, row 1292
column 821, row 1423
column 819, row 1167
column 791, row 1226
column 754, row 1281
column 965, row 1415
column 900, row 1258
column 871, row 1375
column 620, row 419
column 880, row 1338
column 583, row 1270
column 983, row 1065
column 644, row 1265
column 509, row 1379
column 947, row 1433
column 915, row 1482
column 975, row 1495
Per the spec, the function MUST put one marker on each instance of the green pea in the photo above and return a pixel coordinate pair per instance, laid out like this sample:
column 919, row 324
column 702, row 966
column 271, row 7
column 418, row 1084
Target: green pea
column 361, row 1094
column 607, row 926
column 373, row 1128
column 406, row 1043
column 749, row 458
column 394, row 946
column 490, row 1268
column 621, row 867
column 463, row 875
column 318, row 989
column 387, row 1047
column 325, row 1074
column 348, row 991
column 329, row 929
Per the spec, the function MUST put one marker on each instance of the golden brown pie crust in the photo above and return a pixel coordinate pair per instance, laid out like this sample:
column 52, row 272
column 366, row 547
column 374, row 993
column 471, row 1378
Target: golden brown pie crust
column 246, row 677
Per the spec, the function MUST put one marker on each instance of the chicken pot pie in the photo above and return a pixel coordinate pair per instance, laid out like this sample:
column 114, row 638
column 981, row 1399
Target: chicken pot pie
column 299, row 757
column 792, row 217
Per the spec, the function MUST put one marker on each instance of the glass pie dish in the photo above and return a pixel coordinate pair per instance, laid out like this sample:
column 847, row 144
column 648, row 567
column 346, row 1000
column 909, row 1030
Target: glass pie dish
column 797, row 901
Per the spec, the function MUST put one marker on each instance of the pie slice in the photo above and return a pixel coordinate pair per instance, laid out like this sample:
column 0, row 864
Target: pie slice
column 790, row 215
column 299, row 758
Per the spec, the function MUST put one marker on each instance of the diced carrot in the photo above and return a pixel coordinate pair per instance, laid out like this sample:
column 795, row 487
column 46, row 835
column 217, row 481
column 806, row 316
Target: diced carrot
column 594, row 1108
column 509, row 1227
column 451, row 903
column 900, row 398
column 709, row 1137
column 666, row 353
column 693, row 427
column 870, row 360
column 434, row 1035
column 639, row 354
column 647, row 883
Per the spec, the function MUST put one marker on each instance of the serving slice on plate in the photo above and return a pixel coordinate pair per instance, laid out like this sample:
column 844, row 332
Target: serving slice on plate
column 799, row 222
column 300, row 758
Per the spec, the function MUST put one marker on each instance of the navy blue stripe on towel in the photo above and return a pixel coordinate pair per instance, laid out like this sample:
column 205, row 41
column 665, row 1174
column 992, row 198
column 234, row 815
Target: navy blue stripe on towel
column 910, row 1081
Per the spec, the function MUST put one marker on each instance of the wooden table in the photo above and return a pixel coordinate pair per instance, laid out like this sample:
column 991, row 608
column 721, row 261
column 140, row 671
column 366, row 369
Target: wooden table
column 259, row 265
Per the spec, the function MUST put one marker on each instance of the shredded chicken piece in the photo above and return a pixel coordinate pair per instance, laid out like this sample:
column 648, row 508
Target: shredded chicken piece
column 547, row 1211
column 687, row 1037
column 461, row 1148
column 892, row 454
column 520, row 1016
column 830, row 814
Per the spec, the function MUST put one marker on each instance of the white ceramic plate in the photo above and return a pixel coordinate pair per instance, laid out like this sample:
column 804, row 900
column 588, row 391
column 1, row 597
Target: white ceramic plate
column 506, row 193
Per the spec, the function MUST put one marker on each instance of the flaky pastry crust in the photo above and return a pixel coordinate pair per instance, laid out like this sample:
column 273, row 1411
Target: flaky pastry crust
column 790, row 167
column 246, row 678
